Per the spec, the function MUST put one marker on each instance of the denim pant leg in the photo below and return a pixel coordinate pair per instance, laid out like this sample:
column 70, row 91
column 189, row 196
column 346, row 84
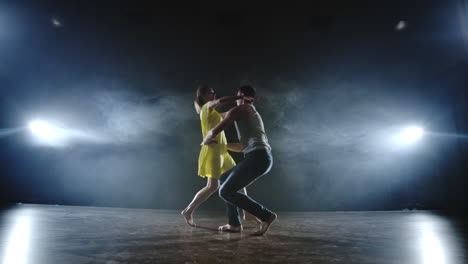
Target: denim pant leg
column 232, row 210
column 255, row 164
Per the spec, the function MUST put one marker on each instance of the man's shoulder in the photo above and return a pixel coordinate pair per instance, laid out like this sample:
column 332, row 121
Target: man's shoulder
column 242, row 110
column 246, row 107
column 241, row 107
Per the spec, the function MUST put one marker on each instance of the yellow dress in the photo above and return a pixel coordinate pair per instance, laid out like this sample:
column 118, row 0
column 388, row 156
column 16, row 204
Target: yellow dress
column 214, row 159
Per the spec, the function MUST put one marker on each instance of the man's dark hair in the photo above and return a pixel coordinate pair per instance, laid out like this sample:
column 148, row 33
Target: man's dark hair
column 247, row 90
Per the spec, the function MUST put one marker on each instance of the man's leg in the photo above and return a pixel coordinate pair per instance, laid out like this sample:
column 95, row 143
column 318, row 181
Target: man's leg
column 251, row 168
column 246, row 216
column 231, row 209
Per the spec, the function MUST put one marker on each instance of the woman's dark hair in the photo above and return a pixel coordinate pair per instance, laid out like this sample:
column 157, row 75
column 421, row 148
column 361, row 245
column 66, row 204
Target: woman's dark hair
column 199, row 101
column 247, row 90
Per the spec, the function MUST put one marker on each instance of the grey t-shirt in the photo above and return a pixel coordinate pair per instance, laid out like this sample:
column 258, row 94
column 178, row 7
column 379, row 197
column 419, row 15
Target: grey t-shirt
column 251, row 132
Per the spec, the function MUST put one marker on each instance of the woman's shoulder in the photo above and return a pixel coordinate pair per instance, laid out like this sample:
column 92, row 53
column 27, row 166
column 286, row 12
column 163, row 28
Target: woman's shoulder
column 202, row 110
column 205, row 106
column 205, row 110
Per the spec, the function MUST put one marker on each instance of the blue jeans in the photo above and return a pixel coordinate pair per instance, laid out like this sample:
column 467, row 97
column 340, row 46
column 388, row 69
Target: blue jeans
column 254, row 165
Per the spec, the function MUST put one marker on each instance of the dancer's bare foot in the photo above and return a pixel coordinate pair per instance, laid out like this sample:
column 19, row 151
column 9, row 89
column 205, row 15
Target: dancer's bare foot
column 250, row 217
column 230, row 228
column 188, row 217
column 264, row 226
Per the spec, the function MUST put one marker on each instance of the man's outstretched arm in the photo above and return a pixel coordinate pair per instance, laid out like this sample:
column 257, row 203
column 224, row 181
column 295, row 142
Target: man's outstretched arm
column 224, row 100
column 231, row 116
column 235, row 147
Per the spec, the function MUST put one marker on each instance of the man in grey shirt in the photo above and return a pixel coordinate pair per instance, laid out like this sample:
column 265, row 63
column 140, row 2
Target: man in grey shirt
column 257, row 162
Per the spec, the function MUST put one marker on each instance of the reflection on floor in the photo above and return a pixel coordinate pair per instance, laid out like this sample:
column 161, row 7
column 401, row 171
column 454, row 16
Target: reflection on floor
column 68, row 234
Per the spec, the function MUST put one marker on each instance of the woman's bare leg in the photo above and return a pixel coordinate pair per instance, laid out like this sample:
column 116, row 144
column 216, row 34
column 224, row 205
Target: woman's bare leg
column 201, row 196
column 248, row 216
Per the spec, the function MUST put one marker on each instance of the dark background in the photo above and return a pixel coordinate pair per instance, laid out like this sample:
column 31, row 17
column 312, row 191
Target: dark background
column 337, row 81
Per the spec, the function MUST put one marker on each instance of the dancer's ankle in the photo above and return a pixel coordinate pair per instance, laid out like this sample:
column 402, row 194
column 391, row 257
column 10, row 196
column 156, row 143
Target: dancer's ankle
column 265, row 225
column 187, row 211
column 230, row 228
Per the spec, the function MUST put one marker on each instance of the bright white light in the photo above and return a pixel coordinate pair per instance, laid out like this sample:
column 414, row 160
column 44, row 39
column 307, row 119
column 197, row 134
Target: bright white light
column 44, row 130
column 401, row 26
column 50, row 134
column 410, row 134
column 46, row 133
column 56, row 22
column 432, row 249
column 17, row 245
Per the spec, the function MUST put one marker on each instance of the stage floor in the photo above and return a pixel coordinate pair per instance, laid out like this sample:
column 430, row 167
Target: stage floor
column 71, row 234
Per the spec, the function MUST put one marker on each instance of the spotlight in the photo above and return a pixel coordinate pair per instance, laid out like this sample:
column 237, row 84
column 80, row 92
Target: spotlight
column 54, row 135
column 44, row 130
column 56, row 23
column 401, row 26
column 410, row 134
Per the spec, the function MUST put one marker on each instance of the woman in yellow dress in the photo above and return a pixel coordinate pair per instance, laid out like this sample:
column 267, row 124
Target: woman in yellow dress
column 214, row 159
